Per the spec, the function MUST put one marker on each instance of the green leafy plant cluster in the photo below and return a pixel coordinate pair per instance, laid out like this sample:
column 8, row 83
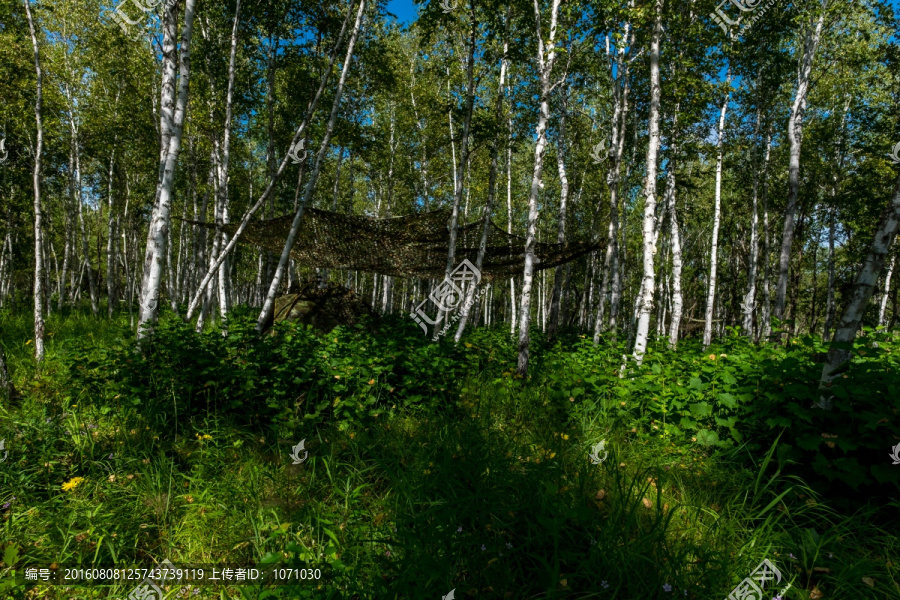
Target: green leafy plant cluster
column 349, row 375
column 735, row 393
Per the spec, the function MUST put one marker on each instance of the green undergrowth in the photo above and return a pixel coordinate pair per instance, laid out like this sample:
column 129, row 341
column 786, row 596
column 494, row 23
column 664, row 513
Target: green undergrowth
column 433, row 467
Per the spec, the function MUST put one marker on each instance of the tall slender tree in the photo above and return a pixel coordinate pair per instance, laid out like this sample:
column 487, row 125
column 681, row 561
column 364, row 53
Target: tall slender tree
column 546, row 58
column 38, row 213
column 649, row 227
column 171, row 125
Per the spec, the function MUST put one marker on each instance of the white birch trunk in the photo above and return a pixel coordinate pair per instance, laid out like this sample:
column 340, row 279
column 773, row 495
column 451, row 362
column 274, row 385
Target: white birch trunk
column 266, row 312
column 886, row 292
column 38, row 225
column 157, row 235
column 79, row 203
column 558, row 272
column 274, row 176
column 750, row 298
column 677, row 261
column 795, row 137
column 460, row 170
column 546, row 57
column 223, row 164
column 110, row 241
column 717, row 211
column 649, row 227
column 489, row 205
column 421, row 128
column 512, row 280
column 766, row 326
column 860, row 293
column 69, row 232
column 613, row 176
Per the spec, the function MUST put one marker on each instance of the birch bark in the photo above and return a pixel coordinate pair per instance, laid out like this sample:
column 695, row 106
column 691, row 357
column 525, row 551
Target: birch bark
column 512, row 280
column 886, row 292
column 38, row 225
column 860, row 293
column 713, row 253
column 274, row 177
column 157, row 235
column 69, row 231
column 266, row 313
column 749, row 304
column 765, row 327
column 675, row 240
column 649, row 227
column 492, row 193
column 110, row 240
column 459, row 174
column 559, row 272
column 613, row 175
column 795, row 137
column 546, row 57
column 222, row 172
column 79, row 204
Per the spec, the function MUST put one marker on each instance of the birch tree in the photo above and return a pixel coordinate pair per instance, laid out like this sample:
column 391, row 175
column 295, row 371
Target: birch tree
column 675, row 239
column 812, row 36
column 649, row 228
column 546, row 58
column 38, row 214
column 717, row 213
column 276, row 175
column 488, row 209
column 749, row 303
column 858, row 297
column 620, row 68
column 266, row 313
column 561, row 223
column 171, row 124
column 885, row 293
column 223, row 164
column 110, row 240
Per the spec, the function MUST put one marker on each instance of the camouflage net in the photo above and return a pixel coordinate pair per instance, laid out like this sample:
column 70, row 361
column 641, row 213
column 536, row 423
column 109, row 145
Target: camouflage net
column 409, row 246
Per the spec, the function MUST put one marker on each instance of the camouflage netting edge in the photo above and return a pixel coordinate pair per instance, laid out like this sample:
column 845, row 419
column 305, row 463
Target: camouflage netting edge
column 408, row 246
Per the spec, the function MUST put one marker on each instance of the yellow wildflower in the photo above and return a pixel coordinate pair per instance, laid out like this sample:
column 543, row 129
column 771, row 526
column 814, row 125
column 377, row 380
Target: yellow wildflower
column 72, row 484
column 712, row 357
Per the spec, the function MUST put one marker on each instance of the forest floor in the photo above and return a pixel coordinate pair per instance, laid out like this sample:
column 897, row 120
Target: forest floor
column 432, row 468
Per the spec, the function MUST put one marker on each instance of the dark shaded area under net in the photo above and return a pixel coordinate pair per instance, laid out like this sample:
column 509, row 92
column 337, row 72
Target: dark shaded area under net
column 324, row 306
column 408, row 246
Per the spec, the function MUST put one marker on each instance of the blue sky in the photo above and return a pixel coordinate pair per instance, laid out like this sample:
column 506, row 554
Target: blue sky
column 405, row 10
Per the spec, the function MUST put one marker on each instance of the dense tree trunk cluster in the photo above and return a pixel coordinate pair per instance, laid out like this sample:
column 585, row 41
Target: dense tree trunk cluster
column 682, row 149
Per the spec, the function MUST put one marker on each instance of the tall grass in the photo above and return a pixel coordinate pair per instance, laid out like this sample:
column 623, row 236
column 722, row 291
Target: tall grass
column 486, row 488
